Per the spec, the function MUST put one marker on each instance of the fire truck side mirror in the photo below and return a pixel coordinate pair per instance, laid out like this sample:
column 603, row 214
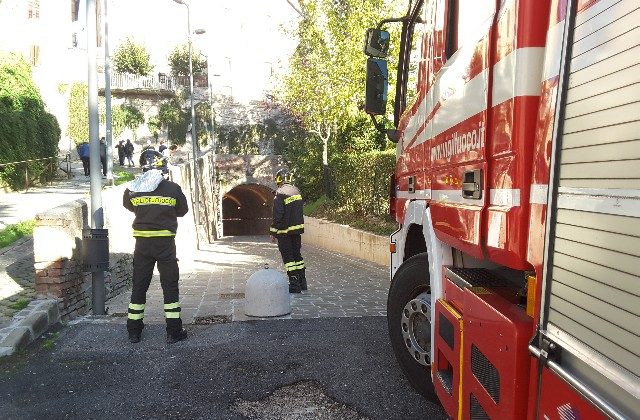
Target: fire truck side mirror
column 376, row 88
column 376, row 43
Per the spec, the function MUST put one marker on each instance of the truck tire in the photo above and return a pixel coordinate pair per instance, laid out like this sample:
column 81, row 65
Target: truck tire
column 408, row 320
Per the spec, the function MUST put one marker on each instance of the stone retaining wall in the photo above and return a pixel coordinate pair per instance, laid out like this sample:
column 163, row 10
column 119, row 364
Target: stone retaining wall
column 346, row 240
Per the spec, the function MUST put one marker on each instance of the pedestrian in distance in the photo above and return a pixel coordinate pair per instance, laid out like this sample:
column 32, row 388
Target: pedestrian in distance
column 103, row 156
column 156, row 203
column 162, row 146
column 287, row 228
column 120, row 147
column 83, row 152
column 128, row 152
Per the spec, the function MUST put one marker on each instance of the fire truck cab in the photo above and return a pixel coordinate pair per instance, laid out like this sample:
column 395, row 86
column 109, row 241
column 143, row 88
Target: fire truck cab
column 515, row 271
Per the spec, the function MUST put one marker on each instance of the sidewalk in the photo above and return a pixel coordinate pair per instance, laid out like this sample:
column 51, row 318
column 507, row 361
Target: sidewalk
column 339, row 286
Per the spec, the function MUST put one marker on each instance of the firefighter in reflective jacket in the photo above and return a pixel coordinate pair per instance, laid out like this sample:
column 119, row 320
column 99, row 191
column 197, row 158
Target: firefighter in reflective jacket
column 157, row 203
column 287, row 226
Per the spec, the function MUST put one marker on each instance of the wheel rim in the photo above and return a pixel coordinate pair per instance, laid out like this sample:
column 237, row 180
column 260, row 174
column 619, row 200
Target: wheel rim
column 416, row 328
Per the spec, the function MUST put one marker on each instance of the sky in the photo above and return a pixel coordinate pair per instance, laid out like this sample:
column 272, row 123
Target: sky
column 243, row 38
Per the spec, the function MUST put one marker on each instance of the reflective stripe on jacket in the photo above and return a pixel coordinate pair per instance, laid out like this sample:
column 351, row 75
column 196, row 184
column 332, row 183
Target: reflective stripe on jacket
column 287, row 211
column 156, row 211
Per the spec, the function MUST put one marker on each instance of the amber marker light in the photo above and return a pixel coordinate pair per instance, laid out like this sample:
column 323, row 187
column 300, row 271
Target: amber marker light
column 531, row 295
column 392, row 247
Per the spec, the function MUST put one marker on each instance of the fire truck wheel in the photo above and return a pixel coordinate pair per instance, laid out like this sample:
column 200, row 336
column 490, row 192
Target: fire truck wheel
column 409, row 322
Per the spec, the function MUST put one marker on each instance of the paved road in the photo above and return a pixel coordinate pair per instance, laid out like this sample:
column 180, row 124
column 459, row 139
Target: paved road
column 220, row 372
column 329, row 359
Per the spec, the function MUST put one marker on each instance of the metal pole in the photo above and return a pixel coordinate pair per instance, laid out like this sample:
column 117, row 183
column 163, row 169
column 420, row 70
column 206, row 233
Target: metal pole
column 107, row 97
column 97, row 215
column 194, row 140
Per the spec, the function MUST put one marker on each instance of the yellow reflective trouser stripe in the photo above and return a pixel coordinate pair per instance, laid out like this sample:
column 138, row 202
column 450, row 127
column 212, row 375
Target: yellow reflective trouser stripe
column 152, row 233
column 289, row 229
column 172, row 310
column 295, row 265
column 272, row 229
column 148, row 200
column 292, row 198
column 136, row 311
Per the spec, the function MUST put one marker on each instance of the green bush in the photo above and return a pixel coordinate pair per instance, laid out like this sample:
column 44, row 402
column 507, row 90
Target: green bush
column 27, row 131
column 362, row 181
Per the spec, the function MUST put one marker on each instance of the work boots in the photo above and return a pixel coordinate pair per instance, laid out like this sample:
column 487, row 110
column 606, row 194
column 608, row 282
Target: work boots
column 294, row 284
column 303, row 282
column 177, row 336
column 134, row 336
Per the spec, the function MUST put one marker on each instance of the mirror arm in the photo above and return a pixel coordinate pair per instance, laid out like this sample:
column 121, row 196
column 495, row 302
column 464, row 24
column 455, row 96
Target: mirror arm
column 392, row 134
column 392, row 20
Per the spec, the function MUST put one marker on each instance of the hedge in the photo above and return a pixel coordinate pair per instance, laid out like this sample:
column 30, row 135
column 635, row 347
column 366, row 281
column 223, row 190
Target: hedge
column 27, row 131
column 362, row 181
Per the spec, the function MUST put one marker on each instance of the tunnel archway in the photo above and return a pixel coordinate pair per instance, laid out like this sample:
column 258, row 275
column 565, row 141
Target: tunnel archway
column 246, row 210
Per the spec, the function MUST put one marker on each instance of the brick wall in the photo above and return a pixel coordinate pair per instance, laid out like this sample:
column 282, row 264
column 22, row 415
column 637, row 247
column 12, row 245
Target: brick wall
column 57, row 243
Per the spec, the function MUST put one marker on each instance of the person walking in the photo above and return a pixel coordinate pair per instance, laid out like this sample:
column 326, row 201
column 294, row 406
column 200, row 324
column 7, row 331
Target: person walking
column 162, row 146
column 287, row 228
column 83, row 152
column 156, row 203
column 103, row 156
column 128, row 152
column 120, row 147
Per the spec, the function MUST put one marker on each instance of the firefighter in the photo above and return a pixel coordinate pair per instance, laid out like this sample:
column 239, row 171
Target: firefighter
column 156, row 203
column 287, row 226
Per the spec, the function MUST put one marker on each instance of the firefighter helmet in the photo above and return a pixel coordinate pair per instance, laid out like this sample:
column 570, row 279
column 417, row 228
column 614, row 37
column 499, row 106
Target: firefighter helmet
column 283, row 176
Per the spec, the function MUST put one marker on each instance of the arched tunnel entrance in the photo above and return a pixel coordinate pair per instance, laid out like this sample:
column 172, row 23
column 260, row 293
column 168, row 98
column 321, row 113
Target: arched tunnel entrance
column 246, row 210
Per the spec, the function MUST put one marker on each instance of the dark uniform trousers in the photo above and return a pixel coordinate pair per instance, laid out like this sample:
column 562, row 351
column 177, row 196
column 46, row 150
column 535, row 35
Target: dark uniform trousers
column 147, row 252
column 289, row 247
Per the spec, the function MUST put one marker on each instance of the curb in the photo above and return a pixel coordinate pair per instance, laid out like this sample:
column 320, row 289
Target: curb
column 27, row 325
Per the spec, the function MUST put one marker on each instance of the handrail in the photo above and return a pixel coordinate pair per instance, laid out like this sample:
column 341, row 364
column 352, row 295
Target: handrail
column 28, row 180
column 2, row 165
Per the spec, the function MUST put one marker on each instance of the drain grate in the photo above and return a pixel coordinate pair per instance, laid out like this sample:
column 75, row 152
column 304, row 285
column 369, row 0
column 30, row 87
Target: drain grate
column 229, row 296
column 211, row 320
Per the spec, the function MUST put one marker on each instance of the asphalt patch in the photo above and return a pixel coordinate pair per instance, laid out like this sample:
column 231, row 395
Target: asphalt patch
column 299, row 401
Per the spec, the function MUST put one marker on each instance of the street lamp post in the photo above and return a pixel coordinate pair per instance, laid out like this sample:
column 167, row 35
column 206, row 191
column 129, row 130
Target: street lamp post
column 194, row 140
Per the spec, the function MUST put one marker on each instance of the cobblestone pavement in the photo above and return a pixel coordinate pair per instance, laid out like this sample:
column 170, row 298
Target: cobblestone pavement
column 339, row 286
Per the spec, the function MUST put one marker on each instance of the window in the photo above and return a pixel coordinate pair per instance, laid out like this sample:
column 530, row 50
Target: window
column 471, row 15
column 33, row 9
column 34, row 55
column 416, row 74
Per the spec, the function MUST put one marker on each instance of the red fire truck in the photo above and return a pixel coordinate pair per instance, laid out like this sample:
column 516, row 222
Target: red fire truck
column 515, row 288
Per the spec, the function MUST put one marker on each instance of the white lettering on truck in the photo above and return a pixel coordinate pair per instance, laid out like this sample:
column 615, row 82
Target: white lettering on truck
column 459, row 143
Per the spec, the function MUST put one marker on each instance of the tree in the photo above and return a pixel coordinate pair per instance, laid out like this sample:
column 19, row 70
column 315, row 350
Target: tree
column 325, row 84
column 132, row 58
column 179, row 61
column 126, row 116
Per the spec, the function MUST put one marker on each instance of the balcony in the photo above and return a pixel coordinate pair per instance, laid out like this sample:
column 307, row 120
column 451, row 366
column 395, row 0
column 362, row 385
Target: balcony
column 124, row 83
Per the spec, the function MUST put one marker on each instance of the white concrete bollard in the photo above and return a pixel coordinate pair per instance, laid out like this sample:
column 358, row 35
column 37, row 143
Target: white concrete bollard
column 266, row 294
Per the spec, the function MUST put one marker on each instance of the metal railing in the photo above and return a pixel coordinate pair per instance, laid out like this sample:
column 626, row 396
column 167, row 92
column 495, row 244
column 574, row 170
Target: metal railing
column 53, row 163
column 133, row 81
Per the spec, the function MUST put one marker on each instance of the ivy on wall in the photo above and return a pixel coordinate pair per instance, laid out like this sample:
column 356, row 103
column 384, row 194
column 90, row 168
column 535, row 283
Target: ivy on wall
column 122, row 116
